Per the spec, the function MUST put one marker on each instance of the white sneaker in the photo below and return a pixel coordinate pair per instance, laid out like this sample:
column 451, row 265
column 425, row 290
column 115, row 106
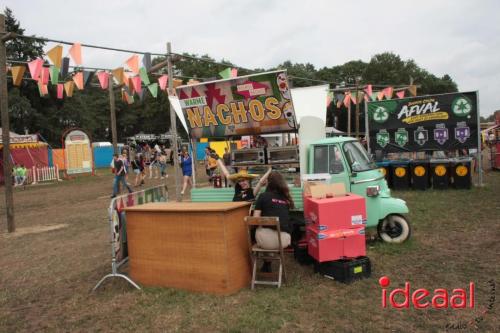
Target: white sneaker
column 182, row 192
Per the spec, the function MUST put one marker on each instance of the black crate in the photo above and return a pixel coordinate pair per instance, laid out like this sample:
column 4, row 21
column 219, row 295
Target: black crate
column 301, row 255
column 345, row 270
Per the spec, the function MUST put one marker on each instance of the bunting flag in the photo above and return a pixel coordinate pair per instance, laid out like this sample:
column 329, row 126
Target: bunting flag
column 226, row 74
column 373, row 97
column 55, row 55
column 60, row 91
column 17, row 75
column 44, row 76
column 128, row 98
column 146, row 61
column 329, row 98
column 126, row 80
column 78, row 79
column 153, row 89
column 177, row 82
column 347, row 100
column 69, row 87
column 388, row 92
column 143, row 72
column 234, row 72
column 413, row 90
column 75, row 51
column 65, row 67
column 380, row 95
column 35, row 68
column 340, row 99
column 133, row 63
column 368, row 90
column 136, row 81
column 141, row 95
column 54, row 75
column 192, row 81
column 400, row 94
column 103, row 78
column 118, row 75
column 87, row 77
column 354, row 96
column 42, row 88
column 162, row 81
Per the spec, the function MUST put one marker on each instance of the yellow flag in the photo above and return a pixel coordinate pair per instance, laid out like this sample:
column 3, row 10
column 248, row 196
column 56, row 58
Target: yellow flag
column 55, row 55
column 69, row 87
column 17, row 74
column 118, row 75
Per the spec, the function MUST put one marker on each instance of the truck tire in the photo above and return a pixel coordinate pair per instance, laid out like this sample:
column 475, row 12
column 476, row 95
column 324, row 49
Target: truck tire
column 394, row 229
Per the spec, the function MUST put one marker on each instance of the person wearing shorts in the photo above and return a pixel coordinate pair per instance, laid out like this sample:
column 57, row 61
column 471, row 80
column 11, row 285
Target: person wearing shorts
column 187, row 170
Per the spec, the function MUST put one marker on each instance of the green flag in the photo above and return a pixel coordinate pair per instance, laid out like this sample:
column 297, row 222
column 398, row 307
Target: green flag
column 153, row 89
column 143, row 73
column 54, row 74
column 373, row 97
column 226, row 74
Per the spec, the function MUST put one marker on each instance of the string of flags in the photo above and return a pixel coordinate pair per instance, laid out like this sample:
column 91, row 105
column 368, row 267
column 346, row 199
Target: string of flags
column 367, row 94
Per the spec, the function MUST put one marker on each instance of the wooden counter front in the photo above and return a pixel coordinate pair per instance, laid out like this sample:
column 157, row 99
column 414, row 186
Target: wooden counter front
column 193, row 246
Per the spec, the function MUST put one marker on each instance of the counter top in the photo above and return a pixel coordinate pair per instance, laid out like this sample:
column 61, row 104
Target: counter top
column 187, row 206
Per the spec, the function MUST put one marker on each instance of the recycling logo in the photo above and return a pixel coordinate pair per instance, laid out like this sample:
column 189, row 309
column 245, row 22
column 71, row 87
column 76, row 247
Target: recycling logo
column 383, row 138
column 421, row 135
column 461, row 107
column 381, row 114
column 401, row 137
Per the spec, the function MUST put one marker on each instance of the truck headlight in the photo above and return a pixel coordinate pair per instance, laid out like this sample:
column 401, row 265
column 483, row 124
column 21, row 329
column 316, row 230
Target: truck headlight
column 372, row 191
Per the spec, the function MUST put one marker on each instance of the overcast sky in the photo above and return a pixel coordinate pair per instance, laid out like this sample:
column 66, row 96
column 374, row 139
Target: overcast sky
column 460, row 38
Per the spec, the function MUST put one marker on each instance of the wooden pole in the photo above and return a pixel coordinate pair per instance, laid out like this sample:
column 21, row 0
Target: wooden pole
column 349, row 119
column 4, row 109
column 112, row 110
column 357, row 109
column 173, row 123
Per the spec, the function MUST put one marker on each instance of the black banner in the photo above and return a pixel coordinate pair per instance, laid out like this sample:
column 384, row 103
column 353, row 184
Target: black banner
column 433, row 122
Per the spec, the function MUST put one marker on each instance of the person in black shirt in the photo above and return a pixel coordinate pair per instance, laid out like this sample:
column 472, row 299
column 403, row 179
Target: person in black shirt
column 120, row 173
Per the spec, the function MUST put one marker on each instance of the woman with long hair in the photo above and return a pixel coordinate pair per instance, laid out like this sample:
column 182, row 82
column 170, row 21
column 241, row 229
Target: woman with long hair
column 187, row 170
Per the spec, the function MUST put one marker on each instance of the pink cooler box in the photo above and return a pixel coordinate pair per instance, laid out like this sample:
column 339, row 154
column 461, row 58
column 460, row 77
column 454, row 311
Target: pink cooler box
column 344, row 212
column 334, row 245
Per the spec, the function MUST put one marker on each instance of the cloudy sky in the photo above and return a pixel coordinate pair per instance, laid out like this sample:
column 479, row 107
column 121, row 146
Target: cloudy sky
column 460, row 38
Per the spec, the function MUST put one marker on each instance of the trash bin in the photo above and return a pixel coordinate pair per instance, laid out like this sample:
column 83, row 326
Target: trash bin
column 420, row 174
column 440, row 173
column 461, row 172
column 400, row 174
column 385, row 166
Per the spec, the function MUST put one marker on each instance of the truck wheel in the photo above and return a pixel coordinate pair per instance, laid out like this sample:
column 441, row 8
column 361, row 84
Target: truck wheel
column 394, row 229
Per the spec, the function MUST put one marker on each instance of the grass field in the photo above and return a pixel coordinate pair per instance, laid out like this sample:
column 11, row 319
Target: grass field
column 46, row 275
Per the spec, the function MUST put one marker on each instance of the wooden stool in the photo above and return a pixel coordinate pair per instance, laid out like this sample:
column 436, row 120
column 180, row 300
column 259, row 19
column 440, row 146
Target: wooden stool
column 257, row 253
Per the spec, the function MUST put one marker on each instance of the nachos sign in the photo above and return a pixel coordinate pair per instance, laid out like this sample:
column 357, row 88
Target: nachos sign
column 245, row 105
column 434, row 122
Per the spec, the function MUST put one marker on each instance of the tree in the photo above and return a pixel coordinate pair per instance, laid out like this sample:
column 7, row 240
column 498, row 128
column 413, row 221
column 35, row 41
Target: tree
column 20, row 48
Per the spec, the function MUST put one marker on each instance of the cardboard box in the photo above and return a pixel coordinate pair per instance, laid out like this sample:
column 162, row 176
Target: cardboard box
column 335, row 245
column 320, row 190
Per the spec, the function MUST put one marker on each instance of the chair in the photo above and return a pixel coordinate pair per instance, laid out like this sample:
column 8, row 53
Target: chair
column 257, row 253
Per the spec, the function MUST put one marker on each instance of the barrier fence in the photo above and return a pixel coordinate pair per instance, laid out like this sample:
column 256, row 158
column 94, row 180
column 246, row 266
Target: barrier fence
column 44, row 174
column 118, row 226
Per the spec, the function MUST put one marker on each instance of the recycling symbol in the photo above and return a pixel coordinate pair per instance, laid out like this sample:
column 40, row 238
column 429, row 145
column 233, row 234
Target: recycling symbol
column 382, row 138
column 461, row 107
column 401, row 137
column 421, row 136
column 381, row 114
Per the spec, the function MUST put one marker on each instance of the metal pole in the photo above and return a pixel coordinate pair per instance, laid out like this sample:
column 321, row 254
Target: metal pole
column 173, row 123
column 4, row 109
column 112, row 111
column 357, row 109
column 367, row 130
column 479, row 152
column 349, row 119
column 193, row 158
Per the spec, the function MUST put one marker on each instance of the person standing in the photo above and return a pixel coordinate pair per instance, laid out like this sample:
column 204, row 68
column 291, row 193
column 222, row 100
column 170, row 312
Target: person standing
column 187, row 170
column 138, row 169
column 162, row 163
column 119, row 175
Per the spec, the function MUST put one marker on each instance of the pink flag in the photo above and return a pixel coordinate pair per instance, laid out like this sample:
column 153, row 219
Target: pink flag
column 234, row 72
column 78, row 78
column 35, row 68
column 136, row 81
column 388, row 92
column 45, row 75
column 43, row 89
column 133, row 63
column 368, row 89
column 163, row 82
column 400, row 94
column 75, row 51
column 347, row 100
column 60, row 91
column 103, row 79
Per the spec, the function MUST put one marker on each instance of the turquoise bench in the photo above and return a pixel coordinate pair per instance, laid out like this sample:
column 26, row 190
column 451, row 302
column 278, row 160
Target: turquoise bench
column 226, row 194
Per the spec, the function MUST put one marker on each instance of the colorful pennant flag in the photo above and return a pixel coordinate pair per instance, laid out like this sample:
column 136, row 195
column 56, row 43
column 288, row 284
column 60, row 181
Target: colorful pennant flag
column 141, row 95
column 144, row 75
column 153, row 89
column 413, row 90
column 177, row 82
column 162, row 81
column 347, row 100
column 69, row 87
column 103, row 78
column 65, row 67
column 234, row 72
column 192, row 81
column 87, row 77
column 373, row 97
column 55, row 55
column 400, row 94
column 146, row 61
column 60, row 91
column 340, row 99
column 354, row 98
column 118, row 75
column 42, row 88
column 54, row 75
column 126, row 81
column 368, row 90
column 136, row 81
column 133, row 63
column 75, row 51
column 17, row 74
column 329, row 98
column 380, row 95
column 35, row 68
column 226, row 74
column 388, row 92
column 78, row 79
column 44, row 77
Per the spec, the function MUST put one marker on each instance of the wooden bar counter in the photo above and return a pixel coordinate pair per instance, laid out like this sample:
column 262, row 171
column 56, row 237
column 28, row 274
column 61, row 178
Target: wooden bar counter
column 194, row 246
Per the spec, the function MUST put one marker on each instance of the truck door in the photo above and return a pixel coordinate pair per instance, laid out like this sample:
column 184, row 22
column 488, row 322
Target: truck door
column 328, row 159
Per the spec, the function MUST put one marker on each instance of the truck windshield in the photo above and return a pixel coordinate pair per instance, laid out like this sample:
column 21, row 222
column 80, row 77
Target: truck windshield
column 358, row 157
